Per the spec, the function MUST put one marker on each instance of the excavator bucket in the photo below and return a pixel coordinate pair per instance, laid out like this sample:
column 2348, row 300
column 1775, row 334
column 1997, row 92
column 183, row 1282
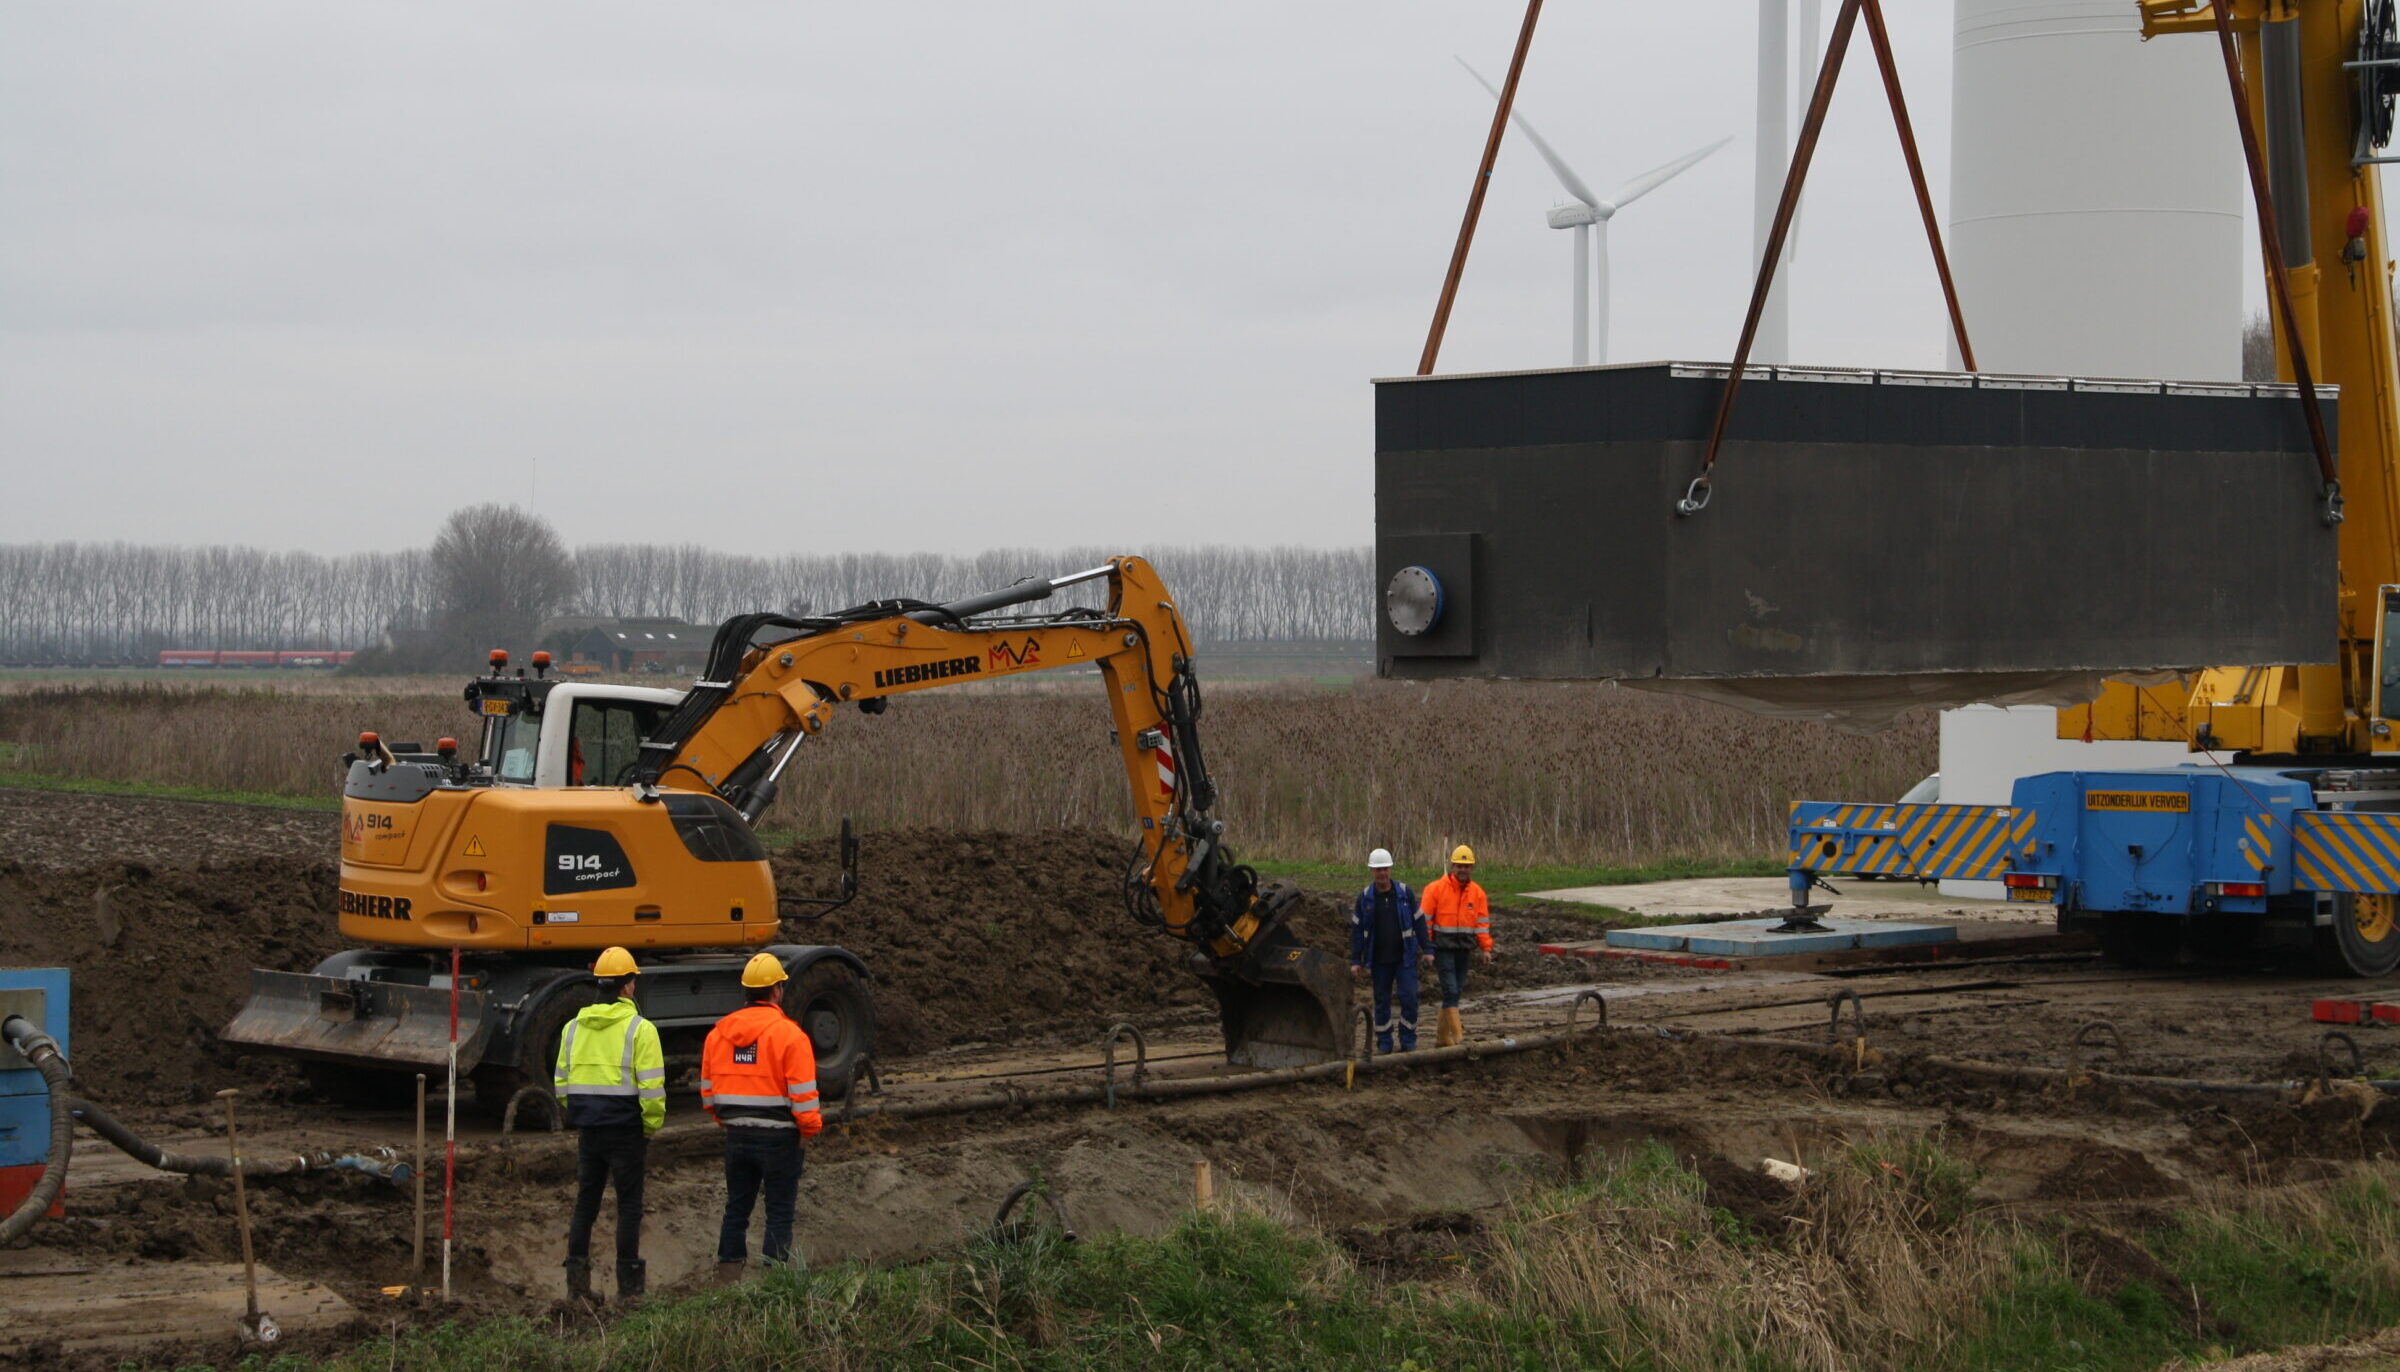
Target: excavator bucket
column 371, row 1024
column 1283, row 1004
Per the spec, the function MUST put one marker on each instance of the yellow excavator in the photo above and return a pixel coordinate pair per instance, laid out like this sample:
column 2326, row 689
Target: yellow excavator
column 592, row 815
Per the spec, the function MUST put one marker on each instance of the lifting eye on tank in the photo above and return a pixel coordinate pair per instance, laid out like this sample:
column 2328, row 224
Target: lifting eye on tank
column 1413, row 601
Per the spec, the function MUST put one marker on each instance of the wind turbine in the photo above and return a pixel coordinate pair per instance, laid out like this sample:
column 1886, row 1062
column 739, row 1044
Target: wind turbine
column 1589, row 218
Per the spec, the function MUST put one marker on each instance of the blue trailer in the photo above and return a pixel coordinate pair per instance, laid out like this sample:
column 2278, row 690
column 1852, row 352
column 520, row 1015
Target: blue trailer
column 2226, row 860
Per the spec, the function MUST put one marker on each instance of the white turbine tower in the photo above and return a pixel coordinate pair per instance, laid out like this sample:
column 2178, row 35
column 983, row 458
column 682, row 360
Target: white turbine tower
column 1589, row 217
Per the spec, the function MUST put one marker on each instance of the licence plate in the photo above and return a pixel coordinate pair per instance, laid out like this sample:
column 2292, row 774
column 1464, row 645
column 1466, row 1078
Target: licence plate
column 2028, row 893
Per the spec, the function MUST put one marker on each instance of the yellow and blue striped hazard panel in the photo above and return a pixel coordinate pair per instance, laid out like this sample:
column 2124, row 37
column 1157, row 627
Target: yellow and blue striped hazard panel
column 2346, row 850
column 1927, row 842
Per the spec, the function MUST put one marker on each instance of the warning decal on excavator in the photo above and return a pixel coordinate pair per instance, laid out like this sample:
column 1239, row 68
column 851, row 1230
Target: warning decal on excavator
column 2160, row 802
column 1075, row 649
column 474, row 845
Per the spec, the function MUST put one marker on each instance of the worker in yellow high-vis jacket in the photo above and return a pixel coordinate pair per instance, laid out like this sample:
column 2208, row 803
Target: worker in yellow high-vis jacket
column 612, row 1083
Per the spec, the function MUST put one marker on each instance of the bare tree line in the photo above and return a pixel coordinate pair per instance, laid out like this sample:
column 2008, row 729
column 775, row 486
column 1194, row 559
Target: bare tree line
column 123, row 602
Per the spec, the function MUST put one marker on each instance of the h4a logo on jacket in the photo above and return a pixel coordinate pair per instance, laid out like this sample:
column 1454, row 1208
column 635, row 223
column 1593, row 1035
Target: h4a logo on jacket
column 748, row 1052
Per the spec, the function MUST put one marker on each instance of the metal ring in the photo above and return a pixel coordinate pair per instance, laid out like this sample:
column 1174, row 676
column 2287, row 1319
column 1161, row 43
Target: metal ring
column 1599, row 1005
column 2083, row 1039
column 2358, row 1061
column 1858, row 1015
column 556, row 1116
column 1695, row 496
column 1033, row 1188
column 1108, row 1067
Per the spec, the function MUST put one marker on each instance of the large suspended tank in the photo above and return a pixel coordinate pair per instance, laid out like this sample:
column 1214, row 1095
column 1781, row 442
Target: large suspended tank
column 2095, row 194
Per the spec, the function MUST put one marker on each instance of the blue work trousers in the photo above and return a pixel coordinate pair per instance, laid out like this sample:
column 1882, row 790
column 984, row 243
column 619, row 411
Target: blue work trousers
column 1400, row 976
column 1450, row 964
column 760, row 1160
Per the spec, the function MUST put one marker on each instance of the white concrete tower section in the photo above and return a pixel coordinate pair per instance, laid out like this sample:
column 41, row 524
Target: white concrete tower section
column 1774, row 160
column 2095, row 230
column 2095, row 194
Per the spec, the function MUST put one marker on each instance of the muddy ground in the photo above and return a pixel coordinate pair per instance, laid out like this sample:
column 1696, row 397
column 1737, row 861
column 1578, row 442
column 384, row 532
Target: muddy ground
column 1000, row 957
column 972, row 937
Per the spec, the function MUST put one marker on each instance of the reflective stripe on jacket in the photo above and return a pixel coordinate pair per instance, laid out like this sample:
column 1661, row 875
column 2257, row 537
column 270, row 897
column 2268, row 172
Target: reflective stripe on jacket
column 758, row 1070
column 1460, row 909
column 611, row 1070
column 1413, row 938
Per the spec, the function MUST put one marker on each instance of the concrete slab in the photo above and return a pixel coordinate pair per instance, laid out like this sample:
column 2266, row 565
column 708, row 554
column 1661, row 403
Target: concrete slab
column 1859, row 900
column 1756, row 937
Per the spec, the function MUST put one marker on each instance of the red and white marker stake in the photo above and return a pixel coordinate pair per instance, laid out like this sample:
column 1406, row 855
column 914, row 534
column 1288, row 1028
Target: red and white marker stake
column 450, row 1129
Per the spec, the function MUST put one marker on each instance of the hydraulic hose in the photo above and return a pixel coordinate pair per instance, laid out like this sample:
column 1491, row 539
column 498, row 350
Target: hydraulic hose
column 143, row 1151
column 40, row 1050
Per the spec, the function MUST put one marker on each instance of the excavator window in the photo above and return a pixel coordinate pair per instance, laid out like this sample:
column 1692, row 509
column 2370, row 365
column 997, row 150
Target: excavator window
column 512, row 743
column 607, row 738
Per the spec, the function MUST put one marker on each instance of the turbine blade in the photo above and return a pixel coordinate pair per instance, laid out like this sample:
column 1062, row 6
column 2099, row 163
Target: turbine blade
column 1658, row 176
column 1558, row 167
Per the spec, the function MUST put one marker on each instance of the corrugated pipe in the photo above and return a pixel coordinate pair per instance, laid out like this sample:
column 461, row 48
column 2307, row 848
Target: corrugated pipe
column 143, row 1151
column 41, row 1051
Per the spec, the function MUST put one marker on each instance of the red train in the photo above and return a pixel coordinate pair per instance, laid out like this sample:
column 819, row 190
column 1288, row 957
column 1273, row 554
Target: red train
column 236, row 657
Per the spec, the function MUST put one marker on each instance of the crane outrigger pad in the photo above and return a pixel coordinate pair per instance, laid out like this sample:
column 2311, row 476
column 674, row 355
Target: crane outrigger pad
column 1859, row 524
column 371, row 1024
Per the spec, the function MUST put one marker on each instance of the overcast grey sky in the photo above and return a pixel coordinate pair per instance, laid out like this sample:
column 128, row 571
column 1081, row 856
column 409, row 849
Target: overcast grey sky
column 802, row 276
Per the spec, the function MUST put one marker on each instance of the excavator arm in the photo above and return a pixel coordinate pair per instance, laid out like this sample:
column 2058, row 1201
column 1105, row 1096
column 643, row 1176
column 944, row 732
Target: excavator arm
column 774, row 682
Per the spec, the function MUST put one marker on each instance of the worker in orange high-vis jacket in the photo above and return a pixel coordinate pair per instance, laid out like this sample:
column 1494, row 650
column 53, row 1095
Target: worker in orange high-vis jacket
column 1461, row 917
column 758, row 1078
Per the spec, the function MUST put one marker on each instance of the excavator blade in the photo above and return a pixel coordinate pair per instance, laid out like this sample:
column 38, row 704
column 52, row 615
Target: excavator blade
column 371, row 1024
column 1283, row 1004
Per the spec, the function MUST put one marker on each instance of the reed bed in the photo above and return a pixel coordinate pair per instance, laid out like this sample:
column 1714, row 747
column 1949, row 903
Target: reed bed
column 1552, row 774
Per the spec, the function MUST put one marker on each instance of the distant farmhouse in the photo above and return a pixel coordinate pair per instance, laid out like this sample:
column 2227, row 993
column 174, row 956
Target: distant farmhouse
column 600, row 643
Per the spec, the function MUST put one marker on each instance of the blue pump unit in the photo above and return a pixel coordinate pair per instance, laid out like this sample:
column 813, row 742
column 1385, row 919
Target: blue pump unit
column 39, row 995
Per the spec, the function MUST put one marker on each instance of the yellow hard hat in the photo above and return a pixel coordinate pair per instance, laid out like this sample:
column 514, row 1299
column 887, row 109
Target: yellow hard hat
column 615, row 962
column 765, row 969
column 1462, row 853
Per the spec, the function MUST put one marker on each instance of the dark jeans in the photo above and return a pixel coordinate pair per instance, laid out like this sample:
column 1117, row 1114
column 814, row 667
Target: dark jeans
column 1398, row 976
column 612, row 1154
column 760, row 1160
column 1450, row 964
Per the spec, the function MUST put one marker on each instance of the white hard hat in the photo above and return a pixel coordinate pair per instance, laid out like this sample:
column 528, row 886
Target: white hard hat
column 1381, row 857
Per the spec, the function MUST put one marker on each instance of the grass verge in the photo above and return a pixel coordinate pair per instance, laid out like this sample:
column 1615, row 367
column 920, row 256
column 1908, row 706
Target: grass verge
column 1504, row 881
column 1882, row 1261
column 156, row 790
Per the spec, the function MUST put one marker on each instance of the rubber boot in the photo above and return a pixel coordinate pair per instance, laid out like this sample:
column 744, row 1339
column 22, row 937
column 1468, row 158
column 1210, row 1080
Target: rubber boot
column 579, row 1280
column 631, row 1278
column 728, row 1273
column 1449, row 1032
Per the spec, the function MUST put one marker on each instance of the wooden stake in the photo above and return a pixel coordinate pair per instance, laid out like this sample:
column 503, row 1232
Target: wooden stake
column 1204, row 1185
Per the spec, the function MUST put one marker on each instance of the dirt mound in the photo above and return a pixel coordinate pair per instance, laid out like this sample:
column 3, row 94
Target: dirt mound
column 976, row 936
column 1765, row 1206
column 161, row 959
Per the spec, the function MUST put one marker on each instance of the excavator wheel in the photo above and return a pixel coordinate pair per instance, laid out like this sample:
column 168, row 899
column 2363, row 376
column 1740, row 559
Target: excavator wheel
column 831, row 1001
column 537, row 1049
column 2364, row 938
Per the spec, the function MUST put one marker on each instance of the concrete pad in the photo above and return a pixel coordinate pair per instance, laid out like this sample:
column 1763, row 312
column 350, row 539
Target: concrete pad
column 1756, row 938
column 1859, row 900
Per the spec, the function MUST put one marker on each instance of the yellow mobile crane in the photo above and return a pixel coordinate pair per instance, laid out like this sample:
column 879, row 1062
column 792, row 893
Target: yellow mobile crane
column 594, row 815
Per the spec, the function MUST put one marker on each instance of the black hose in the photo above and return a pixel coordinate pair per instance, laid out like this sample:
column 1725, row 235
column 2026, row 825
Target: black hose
column 41, row 1051
column 143, row 1151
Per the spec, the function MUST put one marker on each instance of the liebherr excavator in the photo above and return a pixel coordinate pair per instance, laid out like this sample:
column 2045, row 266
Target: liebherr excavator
column 593, row 815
